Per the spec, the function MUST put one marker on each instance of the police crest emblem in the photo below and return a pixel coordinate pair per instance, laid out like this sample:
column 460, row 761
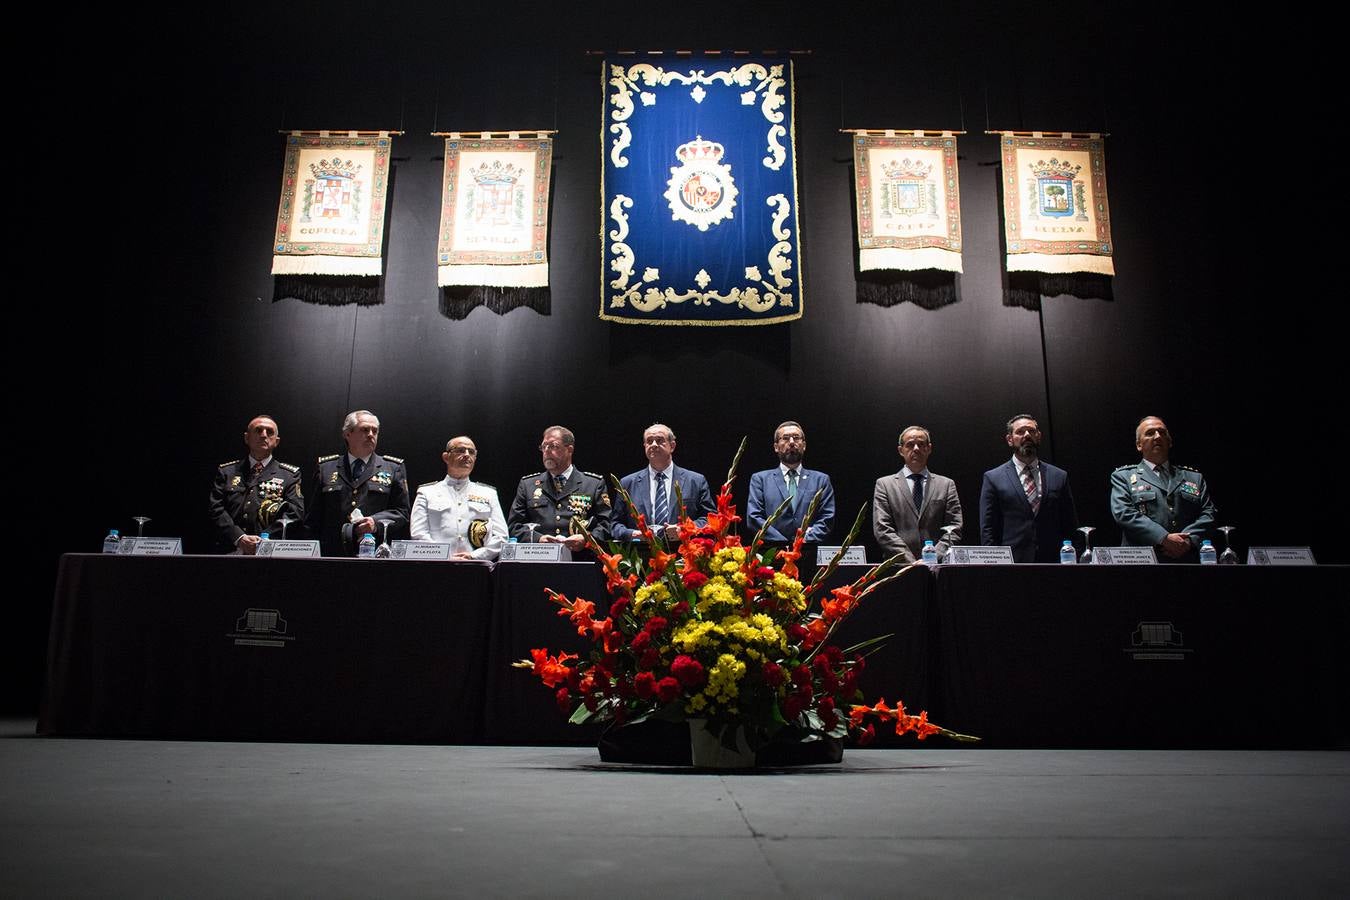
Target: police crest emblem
column 701, row 190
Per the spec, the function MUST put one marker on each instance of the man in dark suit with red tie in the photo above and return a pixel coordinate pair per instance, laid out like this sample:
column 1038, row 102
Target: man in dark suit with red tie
column 1026, row 503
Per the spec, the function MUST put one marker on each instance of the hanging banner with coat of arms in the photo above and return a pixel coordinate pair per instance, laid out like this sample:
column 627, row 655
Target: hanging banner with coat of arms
column 1055, row 211
column 331, row 217
column 908, row 199
column 700, row 193
column 494, row 212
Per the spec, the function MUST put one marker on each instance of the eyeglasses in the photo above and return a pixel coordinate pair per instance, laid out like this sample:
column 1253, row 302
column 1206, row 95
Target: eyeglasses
column 457, row 451
column 551, row 445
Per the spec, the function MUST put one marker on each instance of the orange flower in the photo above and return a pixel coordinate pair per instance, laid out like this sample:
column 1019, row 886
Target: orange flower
column 551, row 669
column 725, row 517
column 613, row 580
column 842, row 601
column 661, row 559
column 790, row 556
column 580, row 613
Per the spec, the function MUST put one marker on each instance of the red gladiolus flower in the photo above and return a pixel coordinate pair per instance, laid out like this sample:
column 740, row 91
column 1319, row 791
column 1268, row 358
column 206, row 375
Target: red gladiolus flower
column 551, row 669
column 564, row 700
column 869, row 734
column 667, row 689
column 790, row 556
column 689, row 671
column 645, row 685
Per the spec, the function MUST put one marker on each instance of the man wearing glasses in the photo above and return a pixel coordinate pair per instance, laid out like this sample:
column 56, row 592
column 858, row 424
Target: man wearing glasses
column 792, row 482
column 465, row 514
column 562, row 502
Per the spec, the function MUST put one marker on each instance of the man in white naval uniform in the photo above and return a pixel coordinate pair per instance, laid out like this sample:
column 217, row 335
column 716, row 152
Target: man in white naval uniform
column 463, row 513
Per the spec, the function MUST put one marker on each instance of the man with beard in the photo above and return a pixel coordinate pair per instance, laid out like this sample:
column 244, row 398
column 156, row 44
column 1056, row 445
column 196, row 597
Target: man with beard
column 562, row 501
column 794, row 482
column 652, row 491
column 912, row 505
column 250, row 494
column 355, row 492
column 1158, row 503
column 1026, row 503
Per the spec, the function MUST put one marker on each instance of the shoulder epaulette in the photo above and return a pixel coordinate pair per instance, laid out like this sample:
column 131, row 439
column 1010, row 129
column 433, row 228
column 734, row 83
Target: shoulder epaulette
column 1127, row 466
column 1187, row 468
column 392, row 459
column 593, row 474
column 534, row 475
column 294, row 470
column 328, row 458
column 233, row 462
column 428, row 484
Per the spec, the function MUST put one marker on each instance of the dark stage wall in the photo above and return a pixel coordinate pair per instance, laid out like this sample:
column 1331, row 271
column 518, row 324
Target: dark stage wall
column 192, row 345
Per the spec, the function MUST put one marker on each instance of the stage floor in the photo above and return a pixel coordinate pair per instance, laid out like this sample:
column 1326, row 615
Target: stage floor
column 166, row 818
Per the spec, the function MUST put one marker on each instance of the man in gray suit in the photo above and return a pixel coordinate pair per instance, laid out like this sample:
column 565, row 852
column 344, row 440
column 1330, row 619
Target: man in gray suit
column 791, row 479
column 913, row 505
column 652, row 490
column 1158, row 503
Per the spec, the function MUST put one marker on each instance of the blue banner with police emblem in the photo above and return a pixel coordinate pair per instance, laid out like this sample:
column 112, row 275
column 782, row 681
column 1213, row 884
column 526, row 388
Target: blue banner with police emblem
column 700, row 193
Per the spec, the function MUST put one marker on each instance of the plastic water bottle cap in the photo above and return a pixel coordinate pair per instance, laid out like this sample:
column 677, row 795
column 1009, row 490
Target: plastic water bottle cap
column 113, row 532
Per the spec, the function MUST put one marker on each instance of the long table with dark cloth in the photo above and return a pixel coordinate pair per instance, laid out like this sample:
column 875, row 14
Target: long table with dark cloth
column 231, row 647
column 1135, row 656
column 403, row 651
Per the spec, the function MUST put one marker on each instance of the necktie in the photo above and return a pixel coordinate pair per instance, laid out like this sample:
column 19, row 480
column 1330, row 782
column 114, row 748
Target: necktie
column 661, row 509
column 792, row 489
column 558, row 484
column 358, row 466
column 917, row 478
column 257, row 469
column 1029, row 484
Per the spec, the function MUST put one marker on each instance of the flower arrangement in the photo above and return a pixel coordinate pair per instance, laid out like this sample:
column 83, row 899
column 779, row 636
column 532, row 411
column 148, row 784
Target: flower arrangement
column 711, row 629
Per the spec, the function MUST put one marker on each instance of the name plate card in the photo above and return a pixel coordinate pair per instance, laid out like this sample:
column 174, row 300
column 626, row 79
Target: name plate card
column 1280, row 556
column 536, row 553
column 438, row 550
column 1124, row 556
column 980, row 556
column 289, row 549
column 856, row 556
column 144, row 546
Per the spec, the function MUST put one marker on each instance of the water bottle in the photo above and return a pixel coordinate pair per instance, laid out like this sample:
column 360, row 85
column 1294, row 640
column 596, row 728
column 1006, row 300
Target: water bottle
column 366, row 549
column 111, row 542
column 1208, row 555
column 265, row 536
column 929, row 554
column 1067, row 555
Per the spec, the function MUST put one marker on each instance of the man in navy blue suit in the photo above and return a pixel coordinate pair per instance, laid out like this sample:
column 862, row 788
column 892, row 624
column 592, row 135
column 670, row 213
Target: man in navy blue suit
column 792, row 480
column 653, row 490
column 1026, row 503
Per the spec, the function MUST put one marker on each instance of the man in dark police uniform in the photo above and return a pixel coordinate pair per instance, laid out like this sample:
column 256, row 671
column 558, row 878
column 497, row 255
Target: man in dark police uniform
column 355, row 492
column 251, row 494
column 562, row 501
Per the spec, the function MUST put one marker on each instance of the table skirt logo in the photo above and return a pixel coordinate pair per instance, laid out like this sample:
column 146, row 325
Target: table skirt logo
column 260, row 628
column 1157, row 640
